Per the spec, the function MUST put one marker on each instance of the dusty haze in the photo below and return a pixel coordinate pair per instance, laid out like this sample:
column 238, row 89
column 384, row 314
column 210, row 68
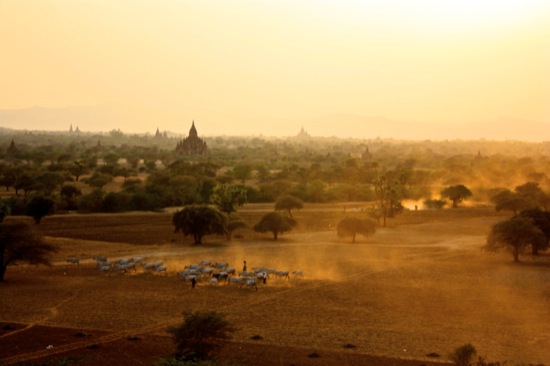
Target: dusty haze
column 268, row 67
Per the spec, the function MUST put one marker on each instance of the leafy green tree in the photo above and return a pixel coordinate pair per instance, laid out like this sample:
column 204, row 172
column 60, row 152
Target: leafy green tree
column 288, row 202
column 144, row 201
column 69, row 194
column 242, row 172
column 25, row 182
column 200, row 335
column 351, row 226
column 227, row 198
column 40, row 206
column 275, row 223
column 116, row 202
column 263, row 173
column 98, row 180
column 199, row 220
column 457, row 194
column 205, row 189
column 20, row 243
column 182, row 190
column 316, row 190
column 91, row 202
column 515, row 234
column 276, row 188
column 48, row 182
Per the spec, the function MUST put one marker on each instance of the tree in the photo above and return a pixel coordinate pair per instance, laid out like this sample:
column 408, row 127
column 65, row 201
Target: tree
column 534, row 194
column 20, row 243
column 92, row 202
column 234, row 222
column 507, row 200
column 288, row 202
column 199, row 221
column 182, row 190
column 242, row 172
column 69, row 193
column 116, row 202
column 227, row 197
column 39, row 207
column 200, row 334
column 457, row 193
column 540, row 219
column 48, row 182
column 276, row 223
column 98, row 180
column 515, row 234
column 316, row 190
column 24, row 182
column 351, row 226
column 389, row 192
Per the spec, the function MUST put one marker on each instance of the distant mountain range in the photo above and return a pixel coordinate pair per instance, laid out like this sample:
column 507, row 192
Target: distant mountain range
column 107, row 117
column 373, row 127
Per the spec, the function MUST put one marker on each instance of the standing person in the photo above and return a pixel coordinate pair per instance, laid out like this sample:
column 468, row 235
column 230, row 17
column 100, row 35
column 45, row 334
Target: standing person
column 244, row 266
column 193, row 282
column 264, row 278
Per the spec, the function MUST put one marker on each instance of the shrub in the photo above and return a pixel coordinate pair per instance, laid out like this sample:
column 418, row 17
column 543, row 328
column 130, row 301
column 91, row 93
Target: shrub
column 200, row 334
column 463, row 355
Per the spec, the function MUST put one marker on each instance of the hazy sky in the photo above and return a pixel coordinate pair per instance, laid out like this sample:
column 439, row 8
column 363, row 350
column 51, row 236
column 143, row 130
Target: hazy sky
column 259, row 66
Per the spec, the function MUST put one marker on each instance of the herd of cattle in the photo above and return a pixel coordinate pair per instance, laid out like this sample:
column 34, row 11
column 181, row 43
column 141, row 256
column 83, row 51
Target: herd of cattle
column 206, row 271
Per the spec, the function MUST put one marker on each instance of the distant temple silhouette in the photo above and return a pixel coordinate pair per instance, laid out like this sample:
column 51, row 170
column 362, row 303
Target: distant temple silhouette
column 366, row 155
column 77, row 130
column 12, row 150
column 159, row 135
column 192, row 144
column 303, row 135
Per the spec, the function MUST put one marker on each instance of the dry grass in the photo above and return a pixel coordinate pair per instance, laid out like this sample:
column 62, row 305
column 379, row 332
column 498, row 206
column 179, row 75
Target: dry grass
column 420, row 286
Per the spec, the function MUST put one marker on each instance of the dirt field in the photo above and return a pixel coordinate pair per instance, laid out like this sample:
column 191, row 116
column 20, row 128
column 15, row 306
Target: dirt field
column 419, row 288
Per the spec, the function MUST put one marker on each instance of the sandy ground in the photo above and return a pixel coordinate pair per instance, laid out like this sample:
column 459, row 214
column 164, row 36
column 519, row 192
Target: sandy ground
column 406, row 293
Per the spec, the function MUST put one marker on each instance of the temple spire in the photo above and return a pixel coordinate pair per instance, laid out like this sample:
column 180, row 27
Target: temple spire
column 193, row 131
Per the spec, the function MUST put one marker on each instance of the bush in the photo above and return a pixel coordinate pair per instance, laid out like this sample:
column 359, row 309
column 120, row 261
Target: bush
column 434, row 204
column 200, row 334
column 463, row 355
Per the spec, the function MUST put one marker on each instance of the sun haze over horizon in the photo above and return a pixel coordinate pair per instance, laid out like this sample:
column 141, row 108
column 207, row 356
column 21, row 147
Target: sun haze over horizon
column 265, row 67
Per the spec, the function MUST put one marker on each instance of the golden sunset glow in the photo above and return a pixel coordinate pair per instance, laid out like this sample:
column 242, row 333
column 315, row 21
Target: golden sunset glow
column 268, row 67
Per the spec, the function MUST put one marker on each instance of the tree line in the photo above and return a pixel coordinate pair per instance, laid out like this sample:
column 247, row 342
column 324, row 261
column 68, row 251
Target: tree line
column 76, row 172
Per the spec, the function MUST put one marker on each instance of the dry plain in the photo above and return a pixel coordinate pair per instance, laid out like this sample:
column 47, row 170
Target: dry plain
column 418, row 288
